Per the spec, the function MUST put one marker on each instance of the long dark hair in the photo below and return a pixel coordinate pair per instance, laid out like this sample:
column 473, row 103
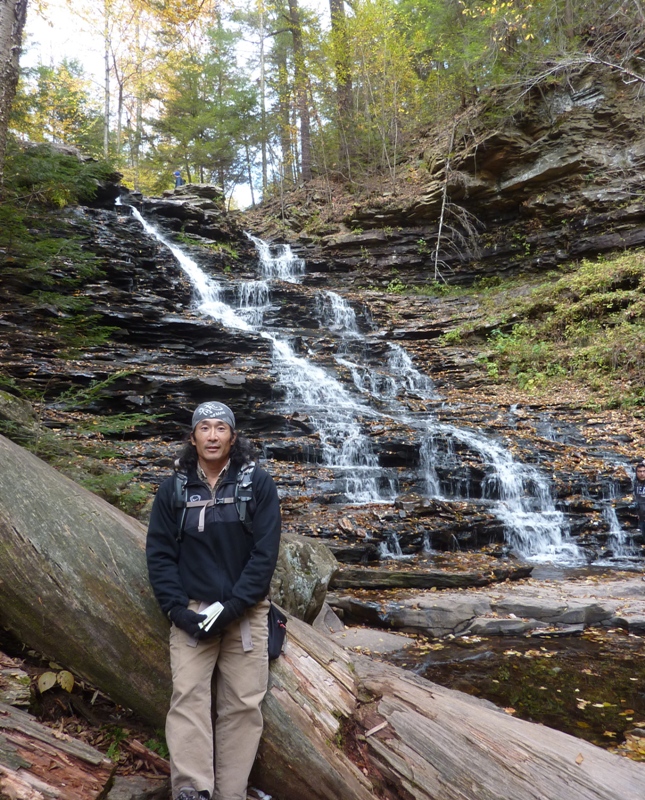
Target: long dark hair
column 242, row 451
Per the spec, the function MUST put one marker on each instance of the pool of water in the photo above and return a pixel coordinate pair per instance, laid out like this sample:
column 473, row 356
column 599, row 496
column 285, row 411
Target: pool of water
column 591, row 686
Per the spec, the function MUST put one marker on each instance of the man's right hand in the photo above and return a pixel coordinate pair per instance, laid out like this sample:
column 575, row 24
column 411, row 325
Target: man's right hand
column 186, row 619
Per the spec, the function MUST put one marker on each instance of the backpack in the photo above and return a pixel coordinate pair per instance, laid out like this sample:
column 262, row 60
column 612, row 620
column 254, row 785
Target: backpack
column 243, row 494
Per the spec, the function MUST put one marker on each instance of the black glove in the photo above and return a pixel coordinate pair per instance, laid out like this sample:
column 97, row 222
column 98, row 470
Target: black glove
column 186, row 619
column 231, row 611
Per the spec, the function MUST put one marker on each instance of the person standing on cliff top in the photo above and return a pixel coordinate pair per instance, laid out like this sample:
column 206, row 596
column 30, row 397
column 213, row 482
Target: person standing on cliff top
column 639, row 495
column 179, row 181
column 205, row 558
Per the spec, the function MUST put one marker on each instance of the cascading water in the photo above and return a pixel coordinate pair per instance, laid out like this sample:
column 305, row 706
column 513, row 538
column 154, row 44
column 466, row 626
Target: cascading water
column 621, row 550
column 278, row 262
column 331, row 409
column 335, row 313
column 518, row 494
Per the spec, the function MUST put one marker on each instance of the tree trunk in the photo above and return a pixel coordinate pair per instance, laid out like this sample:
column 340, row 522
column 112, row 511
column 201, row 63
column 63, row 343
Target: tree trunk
column 13, row 14
column 74, row 583
column 300, row 81
column 106, row 91
column 263, row 111
column 338, row 726
column 342, row 66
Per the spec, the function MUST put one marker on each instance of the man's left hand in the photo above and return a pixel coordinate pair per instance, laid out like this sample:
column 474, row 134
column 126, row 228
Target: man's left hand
column 228, row 614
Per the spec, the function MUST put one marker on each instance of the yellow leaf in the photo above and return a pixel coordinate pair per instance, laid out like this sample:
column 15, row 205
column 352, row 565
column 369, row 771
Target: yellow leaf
column 66, row 680
column 46, row 681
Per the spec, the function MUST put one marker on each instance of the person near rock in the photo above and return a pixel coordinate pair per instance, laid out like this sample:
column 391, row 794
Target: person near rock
column 179, row 181
column 210, row 556
column 639, row 495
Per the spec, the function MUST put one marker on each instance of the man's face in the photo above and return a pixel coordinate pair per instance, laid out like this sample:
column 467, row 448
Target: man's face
column 640, row 473
column 213, row 439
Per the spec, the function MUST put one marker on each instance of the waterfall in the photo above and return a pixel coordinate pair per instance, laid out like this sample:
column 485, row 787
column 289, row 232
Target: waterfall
column 281, row 264
column 518, row 494
column 332, row 411
column 253, row 301
column 336, row 314
column 619, row 542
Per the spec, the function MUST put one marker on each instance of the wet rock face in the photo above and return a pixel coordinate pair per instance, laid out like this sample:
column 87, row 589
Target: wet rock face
column 164, row 356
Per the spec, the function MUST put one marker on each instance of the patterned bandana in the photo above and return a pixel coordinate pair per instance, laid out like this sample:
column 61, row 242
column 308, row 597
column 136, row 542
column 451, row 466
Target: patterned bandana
column 214, row 410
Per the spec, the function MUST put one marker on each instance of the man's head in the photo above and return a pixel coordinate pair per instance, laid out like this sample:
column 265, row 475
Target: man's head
column 213, row 410
column 640, row 471
column 213, row 434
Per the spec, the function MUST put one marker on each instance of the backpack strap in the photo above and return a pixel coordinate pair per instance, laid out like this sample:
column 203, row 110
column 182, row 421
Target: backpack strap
column 204, row 504
column 244, row 493
column 181, row 499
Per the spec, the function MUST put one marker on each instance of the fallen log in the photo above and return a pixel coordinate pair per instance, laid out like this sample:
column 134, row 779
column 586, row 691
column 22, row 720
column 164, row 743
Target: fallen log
column 74, row 583
column 375, row 578
column 74, row 586
column 37, row 762
column 413, row 739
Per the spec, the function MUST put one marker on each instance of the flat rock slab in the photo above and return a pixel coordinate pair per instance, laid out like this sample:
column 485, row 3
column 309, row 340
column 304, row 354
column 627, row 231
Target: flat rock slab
column 507, row 609
column 136, row 787
column 372, row 641
column 375, row 578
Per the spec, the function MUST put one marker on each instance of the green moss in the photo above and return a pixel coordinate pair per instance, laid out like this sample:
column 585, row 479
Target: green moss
column 586, row 324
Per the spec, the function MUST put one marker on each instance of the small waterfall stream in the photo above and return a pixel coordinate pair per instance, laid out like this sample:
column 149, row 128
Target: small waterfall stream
column 518, row 494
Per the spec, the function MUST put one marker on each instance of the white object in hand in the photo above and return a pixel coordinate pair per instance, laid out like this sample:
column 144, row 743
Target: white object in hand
column 212, row 613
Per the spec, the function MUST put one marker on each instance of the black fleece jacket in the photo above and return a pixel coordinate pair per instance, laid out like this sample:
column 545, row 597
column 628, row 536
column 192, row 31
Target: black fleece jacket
column 639, row 497
column 223, row 562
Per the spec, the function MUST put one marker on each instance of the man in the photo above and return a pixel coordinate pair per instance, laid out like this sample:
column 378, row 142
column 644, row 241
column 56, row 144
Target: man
column 210, row 556
column 639, row 495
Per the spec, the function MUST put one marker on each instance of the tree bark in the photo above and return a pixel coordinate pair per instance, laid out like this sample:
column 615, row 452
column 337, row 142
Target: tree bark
column 343, row 68
column 37, row 762
column 13, row 14
column 338, row 726
column 300, row 81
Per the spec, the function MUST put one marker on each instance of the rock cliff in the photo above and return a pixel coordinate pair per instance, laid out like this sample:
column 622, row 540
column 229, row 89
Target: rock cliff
column 561, row 180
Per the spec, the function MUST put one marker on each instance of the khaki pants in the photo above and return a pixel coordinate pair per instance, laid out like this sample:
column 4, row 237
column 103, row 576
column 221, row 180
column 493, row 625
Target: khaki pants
column 239, row 682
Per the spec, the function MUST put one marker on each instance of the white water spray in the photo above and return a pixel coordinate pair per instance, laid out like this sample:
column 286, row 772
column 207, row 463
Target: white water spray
column 518, row 494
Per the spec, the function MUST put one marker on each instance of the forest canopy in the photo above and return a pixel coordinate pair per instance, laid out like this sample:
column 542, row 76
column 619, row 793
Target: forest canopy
column 274, row 93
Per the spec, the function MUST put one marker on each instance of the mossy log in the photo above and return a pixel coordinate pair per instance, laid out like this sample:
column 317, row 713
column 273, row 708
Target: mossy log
column 338, row 726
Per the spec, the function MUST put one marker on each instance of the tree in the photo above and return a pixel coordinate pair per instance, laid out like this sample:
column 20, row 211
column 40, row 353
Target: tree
column 208, row 111
column 343, row 69
column 388, row 91
column 300, row 81
column 13, row 14
column 54, row 104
